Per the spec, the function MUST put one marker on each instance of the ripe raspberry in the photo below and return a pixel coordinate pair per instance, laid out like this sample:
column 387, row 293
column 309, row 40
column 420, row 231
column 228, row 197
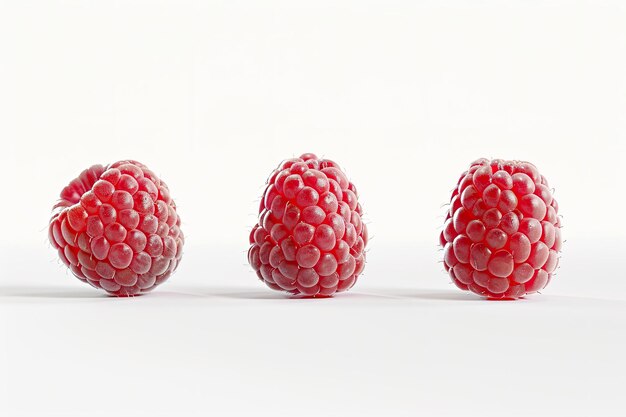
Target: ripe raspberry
column 310, row 238
column 502, row 234
column 117, row 229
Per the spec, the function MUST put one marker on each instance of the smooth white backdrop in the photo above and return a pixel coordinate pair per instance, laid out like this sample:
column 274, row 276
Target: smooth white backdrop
column 403, row 94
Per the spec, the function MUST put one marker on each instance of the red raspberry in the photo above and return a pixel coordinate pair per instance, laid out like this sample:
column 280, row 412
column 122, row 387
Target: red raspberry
column 117, row 229
column 502, row 233
column 310, row 238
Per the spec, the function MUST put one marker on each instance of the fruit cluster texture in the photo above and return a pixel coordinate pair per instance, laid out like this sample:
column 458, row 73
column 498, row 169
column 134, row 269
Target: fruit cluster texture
column 116, row 228
column 310, row 239
column 502, row 233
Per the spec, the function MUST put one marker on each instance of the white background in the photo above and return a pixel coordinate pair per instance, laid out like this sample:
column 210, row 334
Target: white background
column 404, row 95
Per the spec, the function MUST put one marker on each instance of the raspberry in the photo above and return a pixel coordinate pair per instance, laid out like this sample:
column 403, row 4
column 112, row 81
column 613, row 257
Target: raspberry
column 310, row 239
column 502, row 234
column 116, row 228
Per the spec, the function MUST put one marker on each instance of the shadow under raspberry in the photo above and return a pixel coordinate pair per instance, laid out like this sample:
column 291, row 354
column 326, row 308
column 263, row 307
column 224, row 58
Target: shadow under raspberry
column 50, row 292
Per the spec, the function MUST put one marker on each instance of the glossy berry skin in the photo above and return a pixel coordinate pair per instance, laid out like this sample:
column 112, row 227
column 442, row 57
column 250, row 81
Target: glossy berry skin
column 117, row 229
column 502, row 234
column 310, row 239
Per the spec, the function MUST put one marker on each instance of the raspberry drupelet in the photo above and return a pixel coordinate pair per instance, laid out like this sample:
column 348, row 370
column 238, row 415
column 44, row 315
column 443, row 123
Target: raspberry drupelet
column 310, row 239
column 116, row 228
column 502, row 234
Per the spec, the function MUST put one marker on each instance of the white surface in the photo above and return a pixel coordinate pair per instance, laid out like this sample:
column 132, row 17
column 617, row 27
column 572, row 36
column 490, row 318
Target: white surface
column 403, row 94
column 402, row 343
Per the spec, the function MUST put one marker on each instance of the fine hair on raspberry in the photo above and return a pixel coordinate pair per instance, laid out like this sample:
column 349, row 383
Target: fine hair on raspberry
column 310, row 238
column 117, row 229
column 502, row 234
